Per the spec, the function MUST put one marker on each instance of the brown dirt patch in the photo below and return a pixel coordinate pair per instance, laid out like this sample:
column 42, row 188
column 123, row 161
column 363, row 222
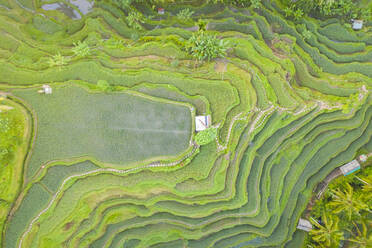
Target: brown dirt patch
column 68, row 225
column 220, row 66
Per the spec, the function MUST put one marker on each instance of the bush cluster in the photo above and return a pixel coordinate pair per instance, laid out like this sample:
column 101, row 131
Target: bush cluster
column 203, row 46
column 11, row 131
column 343, row 213
column 319, row 8
column 206, row 136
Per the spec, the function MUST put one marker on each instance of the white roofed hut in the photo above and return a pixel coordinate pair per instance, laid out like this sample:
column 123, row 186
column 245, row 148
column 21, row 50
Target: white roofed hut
column 161, row 11
column 304, row 225
column 202, row 122
column 357, row 24
column 46, row 89
column 350, row 167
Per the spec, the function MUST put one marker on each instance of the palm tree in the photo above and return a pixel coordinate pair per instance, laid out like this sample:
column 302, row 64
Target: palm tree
column 367, row 183
column 347, row 202
column 58, row 60
column 362, row 239
column 81, row 49
column 328, row 235
column 366, row 190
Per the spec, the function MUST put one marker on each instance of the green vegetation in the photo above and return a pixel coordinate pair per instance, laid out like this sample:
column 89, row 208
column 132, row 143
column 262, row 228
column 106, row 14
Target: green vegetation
column 109, row 127
column 11, row 130
column 113, row 159
column 239, row 3
column 134, row 20
column 81, row 49
column 185, row 14
column 327, row 8
column 206, row 136
column 58, row 60
column 103, row 85
column 327, row 234
column 13, row 147
column 203, row 46
column 344, row 212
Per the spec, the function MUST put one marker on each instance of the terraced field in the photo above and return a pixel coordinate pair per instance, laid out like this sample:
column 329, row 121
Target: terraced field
column 111, row 128
column 120, row 168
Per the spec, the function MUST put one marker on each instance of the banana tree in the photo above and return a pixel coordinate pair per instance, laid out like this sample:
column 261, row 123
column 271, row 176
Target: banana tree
column 363, row 239
column 327, row 235
column 58, row 60
column 347, row 202
column 81, row 49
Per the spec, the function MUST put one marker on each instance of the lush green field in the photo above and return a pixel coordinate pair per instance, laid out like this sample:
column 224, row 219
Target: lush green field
column 14, row 136
column 115, row 165
column 116, row 128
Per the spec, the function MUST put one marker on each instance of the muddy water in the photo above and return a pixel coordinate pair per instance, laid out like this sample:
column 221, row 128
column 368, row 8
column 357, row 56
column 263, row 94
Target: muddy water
column 84, row 6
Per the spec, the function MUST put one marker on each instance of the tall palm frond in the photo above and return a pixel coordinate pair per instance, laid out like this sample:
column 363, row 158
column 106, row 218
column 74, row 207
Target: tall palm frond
column 327, row 234
column 345, row 201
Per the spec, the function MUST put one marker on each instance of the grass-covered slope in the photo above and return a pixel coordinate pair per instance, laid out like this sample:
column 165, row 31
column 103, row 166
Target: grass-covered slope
column 117, row 168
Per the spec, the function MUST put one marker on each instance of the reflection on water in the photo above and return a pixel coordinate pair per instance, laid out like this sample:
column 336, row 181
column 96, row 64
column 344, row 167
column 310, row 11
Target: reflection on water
column 85, row 6
column 63, row 8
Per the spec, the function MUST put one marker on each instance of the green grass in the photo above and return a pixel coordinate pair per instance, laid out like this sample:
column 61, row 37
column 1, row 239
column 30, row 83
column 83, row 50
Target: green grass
column 57, row 173
column 27, row 4
column 116, row 128
column 14, row 133
column 288, row 105
column 26, row 212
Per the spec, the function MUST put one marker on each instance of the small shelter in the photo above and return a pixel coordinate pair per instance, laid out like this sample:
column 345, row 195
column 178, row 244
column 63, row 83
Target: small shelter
column 46, row 89
column 357, row 24
column 350, row 167
column 202, row 122
column 161, row 11
column 304, row 225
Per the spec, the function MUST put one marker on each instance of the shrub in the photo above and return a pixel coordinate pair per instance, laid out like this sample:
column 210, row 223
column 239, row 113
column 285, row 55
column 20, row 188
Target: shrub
column 114, row 43
column 134, row 36
column 185, row 14
column 239, row 3
column 134, row 20
column 81, row 49
column 202, row 25
column 11, row 131
column 203, row 46
column 296, row 14
column 306, row 34
column 336, row 8
column 58, row 60
column 206, row 136
column 255, row 4
column 103, row 85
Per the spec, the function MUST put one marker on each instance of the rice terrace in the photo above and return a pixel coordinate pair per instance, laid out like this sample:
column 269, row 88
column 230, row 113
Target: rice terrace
column 185, row 123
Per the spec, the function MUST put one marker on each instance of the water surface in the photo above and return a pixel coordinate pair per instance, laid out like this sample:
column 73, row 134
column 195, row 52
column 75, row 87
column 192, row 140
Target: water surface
column 84, row 6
